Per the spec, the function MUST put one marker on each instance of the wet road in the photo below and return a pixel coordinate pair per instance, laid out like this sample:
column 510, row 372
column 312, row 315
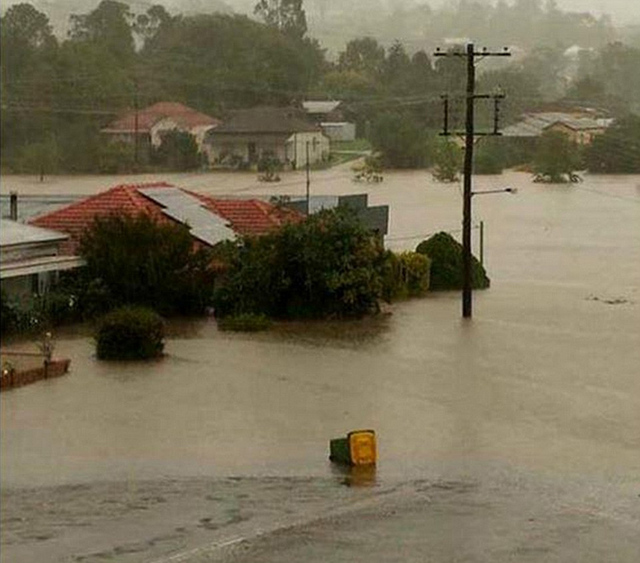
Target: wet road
column 543, row 382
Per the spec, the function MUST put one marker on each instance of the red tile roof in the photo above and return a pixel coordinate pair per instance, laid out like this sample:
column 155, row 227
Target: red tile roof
column 246, row 217
column 184, row 116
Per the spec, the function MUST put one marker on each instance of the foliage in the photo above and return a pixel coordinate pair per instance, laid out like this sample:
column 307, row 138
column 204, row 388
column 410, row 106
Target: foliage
column 556, row 159
column 178, row 151
column 326, row 266
column 446, row 264
column 115, row 158
column 489, row 158
column 448, row 161
column 270, row 166
column 286, row 16
column 130, row 333
column 370, row 169
column 401, row 141
column 405, row 275
column 141, row 261
column 617, row 150
column 245, row 322
column 8, row 315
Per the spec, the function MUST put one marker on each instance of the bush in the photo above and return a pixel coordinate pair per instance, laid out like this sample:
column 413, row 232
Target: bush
column 446, row 264
column 489, row 159
column 406, row 275
column 130, row 333
column 326, row 266
column 134, row 259
column 401, row 140
column 244, row 323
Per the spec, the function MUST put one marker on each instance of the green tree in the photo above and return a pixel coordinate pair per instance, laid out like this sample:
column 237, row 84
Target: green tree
column 617, row 150
column 144, row 262
column 287, row 16
column 178, row 150
column 364, row 55
column 402, row 141
column 109, row 25
column 557, row 158
column 447, row 160
column 326, row 266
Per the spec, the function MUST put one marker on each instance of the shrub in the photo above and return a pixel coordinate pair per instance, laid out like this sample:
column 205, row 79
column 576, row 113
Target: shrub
column 448, row 161
column 130, row 333
column 489, row 159
column 134, row 259
column 446, row 263
column 405, row 275
column 246, row 322
column 326, row 266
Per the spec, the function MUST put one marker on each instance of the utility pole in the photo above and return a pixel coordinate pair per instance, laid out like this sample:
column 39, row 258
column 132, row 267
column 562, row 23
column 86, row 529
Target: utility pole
column 135, row 127
column 308, row 178
column 470, row 54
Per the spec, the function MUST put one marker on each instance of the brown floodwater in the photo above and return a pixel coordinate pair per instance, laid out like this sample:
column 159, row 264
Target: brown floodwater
column 544, row 379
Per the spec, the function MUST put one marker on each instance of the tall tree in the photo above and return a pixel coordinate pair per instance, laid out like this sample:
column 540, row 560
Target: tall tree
column 287, row 16
column 109, row 25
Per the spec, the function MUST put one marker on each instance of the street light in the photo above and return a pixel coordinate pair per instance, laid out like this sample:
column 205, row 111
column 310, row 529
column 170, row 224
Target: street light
column 466, row 248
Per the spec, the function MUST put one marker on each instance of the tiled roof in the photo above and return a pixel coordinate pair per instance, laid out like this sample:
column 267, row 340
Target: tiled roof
column 245, row 217
column 184, row 116
column 265, row 120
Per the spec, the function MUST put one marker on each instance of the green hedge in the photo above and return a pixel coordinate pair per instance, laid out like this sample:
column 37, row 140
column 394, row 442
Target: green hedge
column 446, row 263
column 130, row 333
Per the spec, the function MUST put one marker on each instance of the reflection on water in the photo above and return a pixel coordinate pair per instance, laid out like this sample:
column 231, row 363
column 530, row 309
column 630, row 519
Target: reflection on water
column 355, row 475
column 545, row 377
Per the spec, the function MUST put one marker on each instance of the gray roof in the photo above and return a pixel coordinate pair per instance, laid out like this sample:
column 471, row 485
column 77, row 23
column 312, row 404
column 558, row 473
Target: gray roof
column 534, row 124
column 14, row 234
column 189, row 210
column 320, row 106
column 265, row 120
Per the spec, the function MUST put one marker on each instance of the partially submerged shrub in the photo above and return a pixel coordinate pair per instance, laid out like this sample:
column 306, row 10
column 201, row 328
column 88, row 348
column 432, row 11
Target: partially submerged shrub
column 405, row 275
column 244, row 323
column 130, row 333
column 446, row 263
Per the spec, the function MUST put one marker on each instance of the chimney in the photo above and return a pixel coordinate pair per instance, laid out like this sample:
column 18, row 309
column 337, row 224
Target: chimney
column 13, row 206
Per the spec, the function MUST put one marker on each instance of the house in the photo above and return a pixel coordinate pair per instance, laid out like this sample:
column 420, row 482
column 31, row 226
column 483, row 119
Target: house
column 580, row 128
column 210, row 220
column 330, row 116
column 31, row 259
column 249, row 135
column 149, row 124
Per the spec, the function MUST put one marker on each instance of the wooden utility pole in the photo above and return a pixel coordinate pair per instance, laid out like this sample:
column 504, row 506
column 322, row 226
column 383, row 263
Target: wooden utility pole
column 469, row 135
column 308, row 178
column 136, row 149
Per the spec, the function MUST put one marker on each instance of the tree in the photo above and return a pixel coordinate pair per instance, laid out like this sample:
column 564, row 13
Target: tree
column 109, row 25
column 446, row 264
column 401, row 140
column 326, row 266
column 617, row 150
column 178, row 150
column 144, row 262
column 363, row 55
column 448, row 161
column 286, row 16
column 556, row 159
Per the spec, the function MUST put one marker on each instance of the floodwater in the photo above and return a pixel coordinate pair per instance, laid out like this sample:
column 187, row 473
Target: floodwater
column 545, row 379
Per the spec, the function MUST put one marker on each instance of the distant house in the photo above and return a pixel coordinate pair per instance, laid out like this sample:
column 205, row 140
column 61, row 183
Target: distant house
column 330, row 116
column 579, row 128
column 150, row 123
column 247, row 136
column 30, row 259
column 210, row 220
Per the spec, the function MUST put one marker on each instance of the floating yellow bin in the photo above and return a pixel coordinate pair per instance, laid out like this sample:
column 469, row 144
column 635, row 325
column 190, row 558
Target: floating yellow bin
column 358, row 448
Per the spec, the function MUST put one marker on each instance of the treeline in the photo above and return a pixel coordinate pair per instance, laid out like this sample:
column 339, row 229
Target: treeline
column 57, row 94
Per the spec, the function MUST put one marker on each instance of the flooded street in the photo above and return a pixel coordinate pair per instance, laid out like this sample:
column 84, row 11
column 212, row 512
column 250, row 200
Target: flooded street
column 543, row 383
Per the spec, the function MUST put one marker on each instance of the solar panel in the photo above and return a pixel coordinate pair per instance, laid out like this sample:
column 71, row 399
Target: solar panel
column 189, row 210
